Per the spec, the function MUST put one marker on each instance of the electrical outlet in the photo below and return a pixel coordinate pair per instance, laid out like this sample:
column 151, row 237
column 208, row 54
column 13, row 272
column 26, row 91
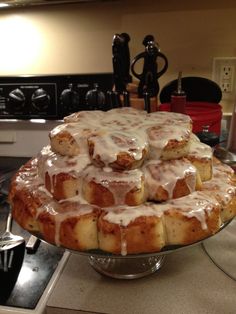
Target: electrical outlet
column 224, row 75
column 227, row 72
column 226, row 78
column 226, row 87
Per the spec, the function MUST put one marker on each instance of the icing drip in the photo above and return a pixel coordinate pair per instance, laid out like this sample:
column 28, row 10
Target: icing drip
column 118, row 183
column 196, row 205
column 109, row 144
column 159, row 136
column 167, row 173
column 124, row 215
column 54, row 164
column 123, row 242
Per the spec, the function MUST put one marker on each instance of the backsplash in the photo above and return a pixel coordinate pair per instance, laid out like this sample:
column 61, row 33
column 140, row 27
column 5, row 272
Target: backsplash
column 77, row 38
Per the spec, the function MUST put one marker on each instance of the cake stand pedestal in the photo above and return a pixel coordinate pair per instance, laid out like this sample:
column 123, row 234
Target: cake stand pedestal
column 125, row 267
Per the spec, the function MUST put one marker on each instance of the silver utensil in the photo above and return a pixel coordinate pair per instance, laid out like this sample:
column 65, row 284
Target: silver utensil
column 8, row 242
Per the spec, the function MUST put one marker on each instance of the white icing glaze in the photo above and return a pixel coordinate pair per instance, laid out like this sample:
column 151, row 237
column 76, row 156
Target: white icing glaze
column 62, row 213
column 109, row 144
column 83, row 115
column 53, row 164
column 195, row 205
column 125, row 130
column 124, row 215
column 29, row 178
column 160, row 135
column 198, row 149
column 118, row 183
column 166, row 174
column 221, row 185
column 169, row 118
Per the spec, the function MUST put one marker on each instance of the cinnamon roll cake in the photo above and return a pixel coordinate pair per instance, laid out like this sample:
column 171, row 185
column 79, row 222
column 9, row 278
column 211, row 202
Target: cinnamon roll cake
column 125, row 182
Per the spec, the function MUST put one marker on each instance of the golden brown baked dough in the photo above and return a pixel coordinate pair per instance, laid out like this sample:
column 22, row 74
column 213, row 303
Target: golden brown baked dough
column 113, row 188
column 170, row 179
column 144, row 233
column 200, row 156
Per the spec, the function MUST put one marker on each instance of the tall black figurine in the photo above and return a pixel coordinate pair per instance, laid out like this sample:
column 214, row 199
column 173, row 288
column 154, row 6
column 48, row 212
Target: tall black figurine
column 150, row 75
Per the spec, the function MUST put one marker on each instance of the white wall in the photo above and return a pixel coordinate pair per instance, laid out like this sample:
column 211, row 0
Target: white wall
column 77, row 38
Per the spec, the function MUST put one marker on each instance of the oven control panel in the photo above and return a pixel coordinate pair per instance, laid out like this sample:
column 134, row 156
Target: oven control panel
column 52, row 96
column 23, row 100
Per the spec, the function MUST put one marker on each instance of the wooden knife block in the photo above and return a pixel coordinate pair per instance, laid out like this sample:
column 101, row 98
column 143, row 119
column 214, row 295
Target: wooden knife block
column 138, row 103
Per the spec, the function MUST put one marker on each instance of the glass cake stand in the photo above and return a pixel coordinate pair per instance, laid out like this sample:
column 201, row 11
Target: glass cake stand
column 134, row 266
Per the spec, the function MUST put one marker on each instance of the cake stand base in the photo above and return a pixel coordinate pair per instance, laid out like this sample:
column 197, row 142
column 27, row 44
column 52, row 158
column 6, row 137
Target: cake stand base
column 126, row 268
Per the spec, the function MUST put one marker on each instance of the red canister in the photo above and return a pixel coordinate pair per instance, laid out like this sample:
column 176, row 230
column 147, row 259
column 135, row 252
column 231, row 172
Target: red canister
column 202, row 114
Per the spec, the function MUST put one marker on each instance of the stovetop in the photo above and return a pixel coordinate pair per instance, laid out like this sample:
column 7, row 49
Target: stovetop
column 29, row 280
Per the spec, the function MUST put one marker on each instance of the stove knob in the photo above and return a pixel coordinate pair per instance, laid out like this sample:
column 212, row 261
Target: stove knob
column 16, row 100
column 70, row 99
column 95, row 98
column 40, row 99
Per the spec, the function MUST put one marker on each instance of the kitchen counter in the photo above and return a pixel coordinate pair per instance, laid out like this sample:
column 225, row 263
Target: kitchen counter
column 188, row 282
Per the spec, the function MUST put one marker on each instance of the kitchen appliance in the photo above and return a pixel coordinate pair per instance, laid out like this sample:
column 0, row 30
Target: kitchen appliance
column 28, row 282
column 48, row 97
column 30, row 106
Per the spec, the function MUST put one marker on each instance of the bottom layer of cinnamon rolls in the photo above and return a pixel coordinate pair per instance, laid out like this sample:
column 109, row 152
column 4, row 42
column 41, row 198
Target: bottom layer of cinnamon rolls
column 136, row 227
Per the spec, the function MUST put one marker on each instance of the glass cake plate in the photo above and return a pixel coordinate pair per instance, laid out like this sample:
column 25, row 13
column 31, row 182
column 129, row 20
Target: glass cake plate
column 135, row 265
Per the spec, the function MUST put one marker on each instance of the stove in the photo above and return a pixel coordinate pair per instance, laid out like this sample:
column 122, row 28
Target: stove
column 52, row 96
column 30, row 106
column 28, row 283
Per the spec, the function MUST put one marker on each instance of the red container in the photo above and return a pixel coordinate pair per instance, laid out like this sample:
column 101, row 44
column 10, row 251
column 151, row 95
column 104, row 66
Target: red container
column 202, row 114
